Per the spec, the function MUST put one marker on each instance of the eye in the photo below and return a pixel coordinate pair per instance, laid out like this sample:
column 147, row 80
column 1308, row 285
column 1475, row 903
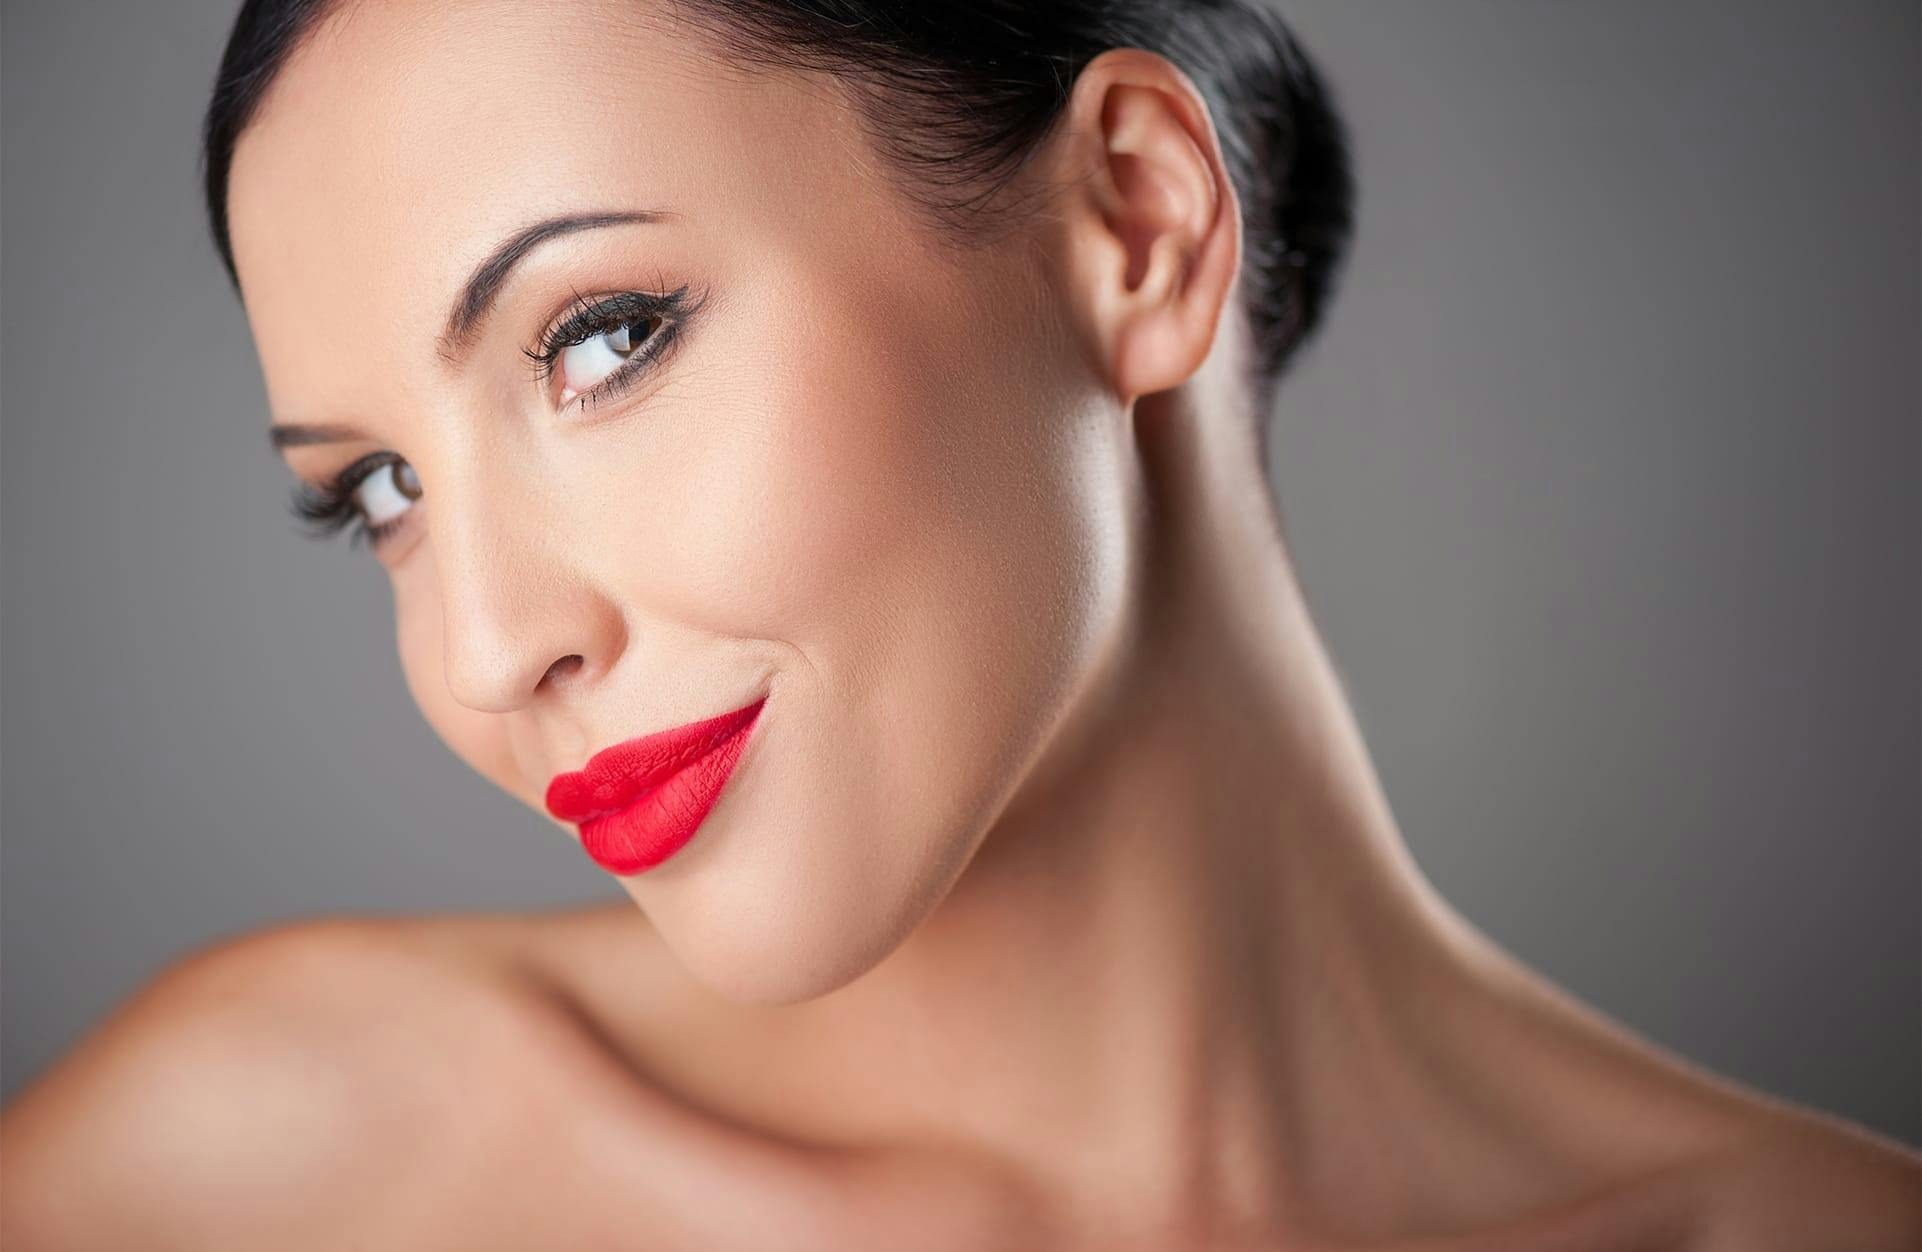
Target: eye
column 372, row 496
column 602, row 346
column 388, row 492
column 583, row 365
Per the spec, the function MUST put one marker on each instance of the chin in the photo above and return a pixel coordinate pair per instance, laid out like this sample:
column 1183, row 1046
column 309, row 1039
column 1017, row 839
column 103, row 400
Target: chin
column 784, row 940
column 789, row 892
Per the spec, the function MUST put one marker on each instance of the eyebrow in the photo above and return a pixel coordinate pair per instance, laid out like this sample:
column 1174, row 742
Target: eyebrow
column 300, row 434
column 471, row 307
column 477, row 296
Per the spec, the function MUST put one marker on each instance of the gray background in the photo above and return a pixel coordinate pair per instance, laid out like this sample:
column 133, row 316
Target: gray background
column 1603, row 482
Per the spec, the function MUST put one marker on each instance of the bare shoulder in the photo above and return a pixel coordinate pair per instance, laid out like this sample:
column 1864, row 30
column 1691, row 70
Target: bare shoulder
column 1645, row 1148
column 250, row 1083
column 1807, row 1182
column 1790, row 1180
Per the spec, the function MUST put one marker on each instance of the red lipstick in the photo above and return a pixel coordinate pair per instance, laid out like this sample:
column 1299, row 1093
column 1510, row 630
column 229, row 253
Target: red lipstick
column 639, row 801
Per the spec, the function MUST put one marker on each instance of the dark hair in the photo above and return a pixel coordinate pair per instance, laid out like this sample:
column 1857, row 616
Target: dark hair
column 958, row 94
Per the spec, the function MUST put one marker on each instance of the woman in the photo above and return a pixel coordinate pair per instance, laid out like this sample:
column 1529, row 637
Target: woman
column 816, row 452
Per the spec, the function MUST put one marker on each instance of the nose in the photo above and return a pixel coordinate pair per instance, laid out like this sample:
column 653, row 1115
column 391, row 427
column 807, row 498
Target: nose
column 517, row 617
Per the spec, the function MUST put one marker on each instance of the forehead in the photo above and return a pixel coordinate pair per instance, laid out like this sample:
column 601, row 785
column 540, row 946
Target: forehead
column 404, row 139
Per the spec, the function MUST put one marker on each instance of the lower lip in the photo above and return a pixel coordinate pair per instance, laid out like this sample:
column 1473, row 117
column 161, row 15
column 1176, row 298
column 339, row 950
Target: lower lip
column 661, row 821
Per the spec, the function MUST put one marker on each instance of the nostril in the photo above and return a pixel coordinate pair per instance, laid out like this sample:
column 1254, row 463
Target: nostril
column 561, row 668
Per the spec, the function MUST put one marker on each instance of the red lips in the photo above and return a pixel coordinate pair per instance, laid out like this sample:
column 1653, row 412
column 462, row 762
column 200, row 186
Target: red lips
column 638, row 802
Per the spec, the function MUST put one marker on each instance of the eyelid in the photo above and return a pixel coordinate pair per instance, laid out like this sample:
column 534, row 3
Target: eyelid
column 628, row 375
column 583, row 316
column 586, row 316
column 344, row 482
column 326, row 508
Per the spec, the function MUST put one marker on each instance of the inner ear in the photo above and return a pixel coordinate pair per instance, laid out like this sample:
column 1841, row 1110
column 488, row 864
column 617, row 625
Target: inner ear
column 1136, row 232
column 1160, row 180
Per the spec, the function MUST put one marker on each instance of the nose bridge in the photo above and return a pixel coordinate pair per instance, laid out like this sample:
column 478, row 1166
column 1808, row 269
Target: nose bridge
column 513, row 610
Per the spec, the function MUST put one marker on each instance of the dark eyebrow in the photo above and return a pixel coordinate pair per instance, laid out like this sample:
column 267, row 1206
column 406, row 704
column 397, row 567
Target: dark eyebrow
column 299, row 434
column 471, row 306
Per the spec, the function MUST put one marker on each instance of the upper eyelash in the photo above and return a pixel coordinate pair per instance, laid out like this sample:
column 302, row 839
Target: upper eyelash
column 584, row 317
column 329, row 507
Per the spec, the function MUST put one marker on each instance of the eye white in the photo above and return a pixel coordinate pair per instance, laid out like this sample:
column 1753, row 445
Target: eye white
column 388, row 492
column 586, row 363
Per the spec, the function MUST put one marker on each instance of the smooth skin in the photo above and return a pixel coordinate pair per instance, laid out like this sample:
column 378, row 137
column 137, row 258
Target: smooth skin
column 1058, row 905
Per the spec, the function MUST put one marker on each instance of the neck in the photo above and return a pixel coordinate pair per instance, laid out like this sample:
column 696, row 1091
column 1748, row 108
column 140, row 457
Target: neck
column 1191, row 945
column 1198, row 900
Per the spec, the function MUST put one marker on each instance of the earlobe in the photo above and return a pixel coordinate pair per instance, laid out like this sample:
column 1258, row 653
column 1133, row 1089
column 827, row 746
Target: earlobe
column 1154, row 228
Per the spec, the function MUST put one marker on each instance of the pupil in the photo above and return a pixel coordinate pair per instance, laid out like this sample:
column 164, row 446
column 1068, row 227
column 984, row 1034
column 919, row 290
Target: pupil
column 631, row 336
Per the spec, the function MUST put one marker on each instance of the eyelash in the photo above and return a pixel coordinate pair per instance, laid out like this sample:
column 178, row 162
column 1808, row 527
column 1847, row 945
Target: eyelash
column 328, row 508
column 585, row 318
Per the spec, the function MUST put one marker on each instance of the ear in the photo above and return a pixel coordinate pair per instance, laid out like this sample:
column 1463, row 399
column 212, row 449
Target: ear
column 1151, row 229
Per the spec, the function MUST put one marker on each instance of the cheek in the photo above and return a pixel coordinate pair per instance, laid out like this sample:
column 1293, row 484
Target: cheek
column 990, row 575
column 937, row 529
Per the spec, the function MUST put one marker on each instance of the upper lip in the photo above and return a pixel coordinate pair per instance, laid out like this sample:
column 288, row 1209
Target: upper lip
column 616, row 776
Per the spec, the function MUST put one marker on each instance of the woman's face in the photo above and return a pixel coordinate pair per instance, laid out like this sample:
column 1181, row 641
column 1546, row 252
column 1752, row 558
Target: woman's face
column 875, row 480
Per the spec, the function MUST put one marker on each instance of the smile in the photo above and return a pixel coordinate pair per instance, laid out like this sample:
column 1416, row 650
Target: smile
column 638, row 802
